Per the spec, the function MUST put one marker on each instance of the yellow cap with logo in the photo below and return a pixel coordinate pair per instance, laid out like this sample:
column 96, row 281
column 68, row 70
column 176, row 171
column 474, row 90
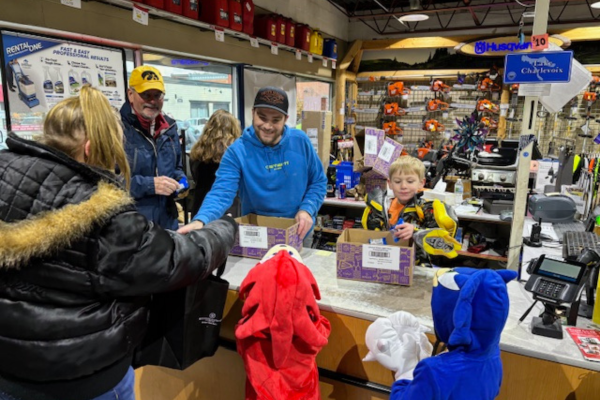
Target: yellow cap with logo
column 145, row 78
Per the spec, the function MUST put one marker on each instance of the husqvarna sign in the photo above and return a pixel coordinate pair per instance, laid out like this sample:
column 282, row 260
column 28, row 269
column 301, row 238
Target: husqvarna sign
column 497, row 47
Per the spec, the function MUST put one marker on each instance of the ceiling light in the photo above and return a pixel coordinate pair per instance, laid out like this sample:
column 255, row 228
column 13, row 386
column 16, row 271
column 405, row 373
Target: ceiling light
column 595, row 5
column 413, row 17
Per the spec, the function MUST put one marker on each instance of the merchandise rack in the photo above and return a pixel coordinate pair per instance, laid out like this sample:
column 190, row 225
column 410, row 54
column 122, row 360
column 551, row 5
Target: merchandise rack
column 127, row 4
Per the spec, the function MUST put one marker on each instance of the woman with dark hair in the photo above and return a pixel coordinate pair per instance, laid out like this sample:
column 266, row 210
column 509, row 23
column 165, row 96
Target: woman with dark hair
column 77, row 262
column 221, row 130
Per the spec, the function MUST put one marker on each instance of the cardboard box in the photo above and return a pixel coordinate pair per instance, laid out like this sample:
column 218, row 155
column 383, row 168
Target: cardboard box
column 373, row 180
column 257, row 234
column 390, row 151
column 317, row 125
column 367, row 144
column 358, row 260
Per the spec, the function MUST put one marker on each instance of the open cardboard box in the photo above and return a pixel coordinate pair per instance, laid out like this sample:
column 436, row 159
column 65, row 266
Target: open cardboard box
column 358, row 260
column 258, row 233
column 367, row 143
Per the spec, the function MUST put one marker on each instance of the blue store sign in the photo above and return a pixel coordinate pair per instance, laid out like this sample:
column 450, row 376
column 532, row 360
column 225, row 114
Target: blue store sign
column 543, row 67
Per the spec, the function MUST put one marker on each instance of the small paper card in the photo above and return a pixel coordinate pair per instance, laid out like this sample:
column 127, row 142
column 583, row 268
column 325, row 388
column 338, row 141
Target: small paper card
column 254, row 236
column 381, row 257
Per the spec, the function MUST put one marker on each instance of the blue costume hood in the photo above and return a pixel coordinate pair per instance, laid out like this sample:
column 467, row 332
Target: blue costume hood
column 479, row 303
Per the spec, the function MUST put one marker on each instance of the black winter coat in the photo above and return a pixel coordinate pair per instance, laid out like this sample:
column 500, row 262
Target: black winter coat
column 77, row 267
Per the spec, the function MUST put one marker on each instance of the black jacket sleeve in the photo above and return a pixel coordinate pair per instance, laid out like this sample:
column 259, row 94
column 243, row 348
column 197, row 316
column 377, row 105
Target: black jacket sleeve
column 136, row 257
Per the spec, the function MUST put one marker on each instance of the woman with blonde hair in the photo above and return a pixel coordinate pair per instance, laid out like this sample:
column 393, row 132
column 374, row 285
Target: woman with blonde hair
column 221, row 130
column 77, row 262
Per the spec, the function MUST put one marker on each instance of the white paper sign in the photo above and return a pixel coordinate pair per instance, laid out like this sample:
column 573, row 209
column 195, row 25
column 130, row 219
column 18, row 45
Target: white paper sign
column 546, row 175
column 274, row 49
column 219, row 35
column 254, row 42
column 382, row 257
column 333, row 64
column 534, row 89
column 254, row 236
column 325, row 62
column 310, row 58
column 371, row 144
column 386, row 152
column 71, row 3
column 298, row 55
column 140, row 15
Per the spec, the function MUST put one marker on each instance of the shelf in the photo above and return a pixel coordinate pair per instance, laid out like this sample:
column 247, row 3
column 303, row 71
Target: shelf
column 482, row 256
column 328, row 230
column 204, row 25
column 350, row 203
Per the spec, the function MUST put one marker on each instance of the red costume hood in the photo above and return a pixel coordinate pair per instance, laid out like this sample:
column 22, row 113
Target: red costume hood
column 281, row 330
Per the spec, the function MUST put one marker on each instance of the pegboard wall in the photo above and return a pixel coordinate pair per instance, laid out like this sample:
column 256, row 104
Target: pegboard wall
column 575, row 126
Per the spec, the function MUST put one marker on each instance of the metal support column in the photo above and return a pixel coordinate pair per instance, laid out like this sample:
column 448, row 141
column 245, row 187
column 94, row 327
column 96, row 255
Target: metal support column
column 540, row 26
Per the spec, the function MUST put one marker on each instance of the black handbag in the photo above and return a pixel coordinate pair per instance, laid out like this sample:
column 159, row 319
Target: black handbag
column 184, row 325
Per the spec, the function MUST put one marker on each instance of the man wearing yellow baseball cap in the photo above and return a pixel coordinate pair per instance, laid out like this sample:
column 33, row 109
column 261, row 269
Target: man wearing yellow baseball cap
column 153, row 149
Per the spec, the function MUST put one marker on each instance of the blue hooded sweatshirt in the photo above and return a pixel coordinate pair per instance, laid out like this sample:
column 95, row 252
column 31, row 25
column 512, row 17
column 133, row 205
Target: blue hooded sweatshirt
column 472, row 368
column 274, row 181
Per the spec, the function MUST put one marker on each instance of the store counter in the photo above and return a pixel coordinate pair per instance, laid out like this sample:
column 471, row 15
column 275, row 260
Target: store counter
column 534, row 367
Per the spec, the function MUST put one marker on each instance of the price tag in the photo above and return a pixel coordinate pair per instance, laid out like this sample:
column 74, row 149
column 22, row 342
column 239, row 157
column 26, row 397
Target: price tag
column 381, row 257
column 71, row 3
column 219, row 35
column 254, row 42
column 310, row 58
column 333, row 64
column 140, row 15
column 254, row 236
column 325, row 62
column 539, row 42
column 386, row 152
column 274, row 48
column 298, row 55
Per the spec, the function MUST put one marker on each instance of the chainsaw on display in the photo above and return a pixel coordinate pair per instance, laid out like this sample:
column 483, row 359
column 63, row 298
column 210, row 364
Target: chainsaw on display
column 439, row 86
column 392, row 109
column 486, row 105
column 431, row 125
column 397, row 89
column 437, row 105
column 392, row 129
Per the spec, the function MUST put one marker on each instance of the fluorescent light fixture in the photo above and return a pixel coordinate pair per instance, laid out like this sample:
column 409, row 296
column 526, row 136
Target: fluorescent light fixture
column 595, row 5
column 414, row 17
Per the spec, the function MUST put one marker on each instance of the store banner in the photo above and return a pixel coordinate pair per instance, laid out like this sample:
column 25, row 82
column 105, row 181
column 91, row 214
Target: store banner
column 256, row 79
column 40, row 72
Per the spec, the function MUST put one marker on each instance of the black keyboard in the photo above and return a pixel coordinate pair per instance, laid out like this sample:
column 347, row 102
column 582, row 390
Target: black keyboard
column 575, row 242
column 562, row 227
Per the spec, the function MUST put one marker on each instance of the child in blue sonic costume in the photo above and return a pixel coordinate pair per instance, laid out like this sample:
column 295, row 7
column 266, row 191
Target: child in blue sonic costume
column 472, row 368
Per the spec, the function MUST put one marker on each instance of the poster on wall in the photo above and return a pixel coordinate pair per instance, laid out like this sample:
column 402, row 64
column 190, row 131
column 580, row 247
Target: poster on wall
column 40, row 72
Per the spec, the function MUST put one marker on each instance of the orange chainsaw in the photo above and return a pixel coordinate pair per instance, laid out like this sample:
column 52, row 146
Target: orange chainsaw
column 486, row 105
column 437, row 105
column 390, row 109
column 391, row 128
column 489, row 122
column 488, row 85
column 439, row 86
column 431, row 125
column 398, row 89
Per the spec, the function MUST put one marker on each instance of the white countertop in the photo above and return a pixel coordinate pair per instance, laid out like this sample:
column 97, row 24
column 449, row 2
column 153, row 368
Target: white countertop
column 372, row 300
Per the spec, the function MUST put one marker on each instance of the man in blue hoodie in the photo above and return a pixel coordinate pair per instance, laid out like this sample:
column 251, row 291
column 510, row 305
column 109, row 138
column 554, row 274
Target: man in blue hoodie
column 274, row 167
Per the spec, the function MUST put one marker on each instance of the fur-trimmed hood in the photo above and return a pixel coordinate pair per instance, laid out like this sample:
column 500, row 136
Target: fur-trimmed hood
column 48, row 232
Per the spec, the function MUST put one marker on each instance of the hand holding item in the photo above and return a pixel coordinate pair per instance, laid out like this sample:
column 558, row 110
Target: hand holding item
column 165, row 186
column 184, row 188
column 404, row 231
column 190, row 227
column 305, row 222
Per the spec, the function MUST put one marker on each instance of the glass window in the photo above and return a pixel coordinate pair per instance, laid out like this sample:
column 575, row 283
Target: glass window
column 194, row 90
column 312, row 95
